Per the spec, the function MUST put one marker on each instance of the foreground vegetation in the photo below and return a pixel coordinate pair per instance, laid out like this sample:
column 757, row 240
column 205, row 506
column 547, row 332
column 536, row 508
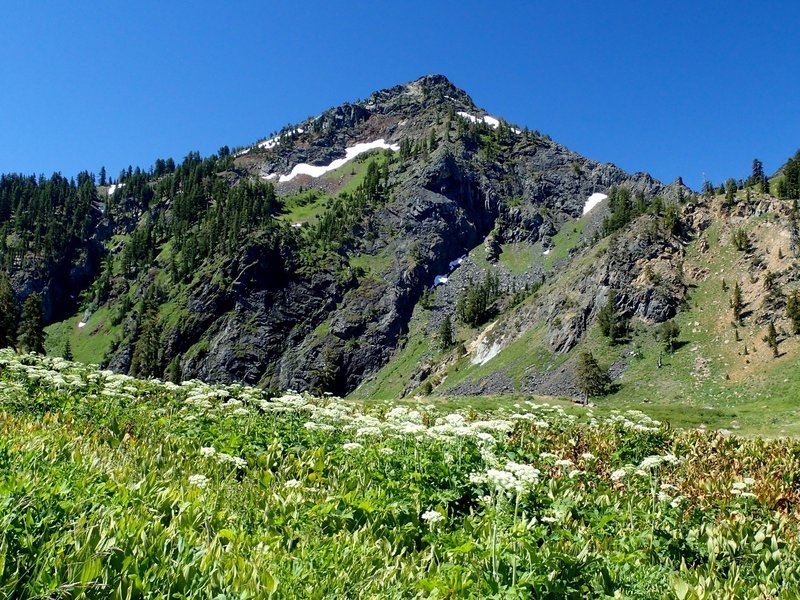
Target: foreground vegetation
column 112, row 487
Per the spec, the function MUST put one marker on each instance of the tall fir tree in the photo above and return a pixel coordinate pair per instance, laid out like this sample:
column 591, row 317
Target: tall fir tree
column 8, row 312
column 591, row 379
column 31, row 326
column 145, row 359
column 737, row 304
column 67, row 353
column 446, row 333
column 793, row 311
column 612, row 324
column 771, row 338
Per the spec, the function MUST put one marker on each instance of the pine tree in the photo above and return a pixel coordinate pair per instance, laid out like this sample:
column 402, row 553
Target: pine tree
column 772, row 338
column 31, row 327
column 591, row 379
column 736, row 303
column 730, row 191
column 446, row 333
column 793, row 311
column 758, row 172
column 8, row 312
column 67, row 353
column 611, row 322
column 668, row 333
column 145, row 360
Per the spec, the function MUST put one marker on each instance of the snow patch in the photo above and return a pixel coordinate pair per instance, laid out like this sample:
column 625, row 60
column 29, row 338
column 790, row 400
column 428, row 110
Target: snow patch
column 484, row 354
column 114, row 187
column 274, row 141
column 546, row 252
column 350, row 154
column 490, row 121
column 81, row 324
column 593, row 201
column 440, row 279
column 457, row 262
column 271, row 176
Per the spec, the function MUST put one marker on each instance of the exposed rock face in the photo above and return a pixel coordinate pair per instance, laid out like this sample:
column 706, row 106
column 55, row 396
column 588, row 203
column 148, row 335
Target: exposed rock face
column 300, row 334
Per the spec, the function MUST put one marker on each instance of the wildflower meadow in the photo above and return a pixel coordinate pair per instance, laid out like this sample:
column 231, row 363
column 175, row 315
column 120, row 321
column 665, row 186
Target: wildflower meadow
column 113, row 487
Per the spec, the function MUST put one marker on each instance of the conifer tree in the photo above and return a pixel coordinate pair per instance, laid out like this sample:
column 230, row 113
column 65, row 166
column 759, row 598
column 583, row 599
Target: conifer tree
column 67, row 353
column 736, row 303
column 446, row 333
column 793, row 311
column 668, row 333
column 611, row 322
column 772, row 338
column 145, row 359
column 591, row 379
column 758, row 172
column 31, row 327
column 730, row 192
column 8, row 312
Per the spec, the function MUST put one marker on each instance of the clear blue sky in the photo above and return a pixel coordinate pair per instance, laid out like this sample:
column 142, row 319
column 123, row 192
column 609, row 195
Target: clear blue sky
column 672, row 88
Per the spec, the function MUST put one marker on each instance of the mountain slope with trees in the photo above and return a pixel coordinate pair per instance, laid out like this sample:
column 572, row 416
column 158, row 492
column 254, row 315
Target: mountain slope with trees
column 227, row 268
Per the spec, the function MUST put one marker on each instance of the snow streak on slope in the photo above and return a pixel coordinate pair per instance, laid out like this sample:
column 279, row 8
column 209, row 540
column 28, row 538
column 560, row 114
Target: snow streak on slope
column 491, row 121
column 350, row 154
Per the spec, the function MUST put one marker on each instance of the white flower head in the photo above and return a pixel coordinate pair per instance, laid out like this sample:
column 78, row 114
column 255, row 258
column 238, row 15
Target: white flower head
column 198, row 480
column 432, row 517
column 618, row 474
column 651, row 462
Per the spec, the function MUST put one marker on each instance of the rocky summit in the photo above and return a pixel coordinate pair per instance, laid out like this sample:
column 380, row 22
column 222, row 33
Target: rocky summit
column 410, row 244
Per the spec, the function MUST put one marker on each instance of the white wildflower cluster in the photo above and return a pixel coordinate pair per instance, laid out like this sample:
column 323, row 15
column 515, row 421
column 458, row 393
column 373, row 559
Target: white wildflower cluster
column 369, row 431
column 619, row 474
column 742, row 488
column 432, row 517
column 198, row 480
column 51, row 371
column 292, row 484
column 351, row 446
column 665, row 495
column 236, row 461
column 515, row 479
column 527, row 474
column 222, row 457
column 635, row 420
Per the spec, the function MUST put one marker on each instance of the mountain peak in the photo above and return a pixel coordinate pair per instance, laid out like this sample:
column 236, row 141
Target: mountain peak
column 426, row 90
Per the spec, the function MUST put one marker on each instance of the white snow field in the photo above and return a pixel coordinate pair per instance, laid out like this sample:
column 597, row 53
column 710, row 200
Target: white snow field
column 593, row 201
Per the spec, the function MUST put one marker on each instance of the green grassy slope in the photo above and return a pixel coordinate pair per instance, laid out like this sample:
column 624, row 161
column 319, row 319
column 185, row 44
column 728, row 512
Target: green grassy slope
column 710, row 380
